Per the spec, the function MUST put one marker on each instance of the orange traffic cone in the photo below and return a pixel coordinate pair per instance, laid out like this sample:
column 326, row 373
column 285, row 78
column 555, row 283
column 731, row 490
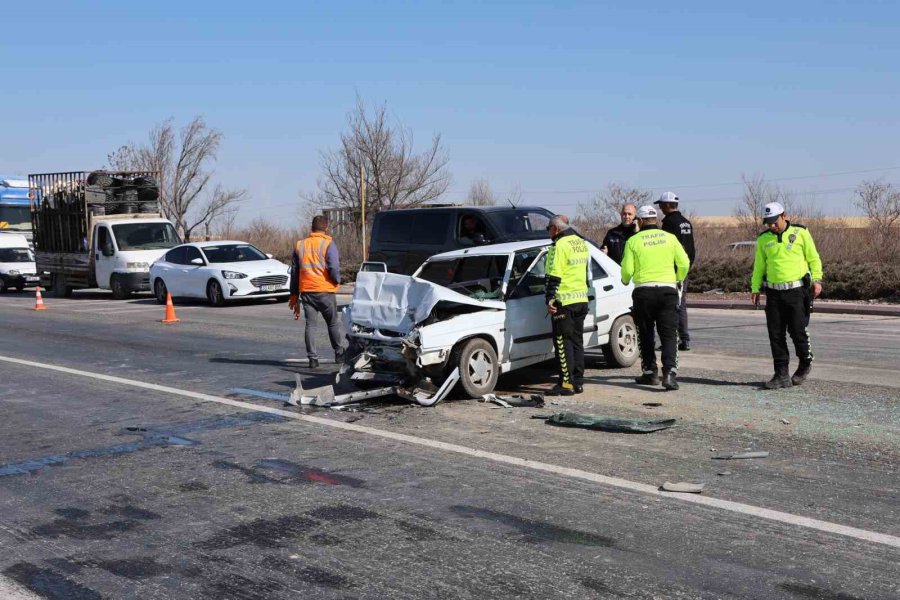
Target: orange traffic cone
column 170, row 310
column 39, row 300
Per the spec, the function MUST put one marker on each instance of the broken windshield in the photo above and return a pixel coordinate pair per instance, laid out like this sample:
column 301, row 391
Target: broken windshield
column 479, row 277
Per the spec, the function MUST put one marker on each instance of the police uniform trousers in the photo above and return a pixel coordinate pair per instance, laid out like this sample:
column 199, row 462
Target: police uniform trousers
column 788, row 310
column 656, row 307
column 568, row 342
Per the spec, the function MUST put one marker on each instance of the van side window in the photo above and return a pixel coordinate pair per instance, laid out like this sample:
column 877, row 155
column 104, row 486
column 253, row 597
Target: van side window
column 395, row 228
column 431, row 228
column 472, row 231
column 104, row 242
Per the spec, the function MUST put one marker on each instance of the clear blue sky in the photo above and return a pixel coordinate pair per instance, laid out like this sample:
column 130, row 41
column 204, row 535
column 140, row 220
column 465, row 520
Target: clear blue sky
column 557, row 98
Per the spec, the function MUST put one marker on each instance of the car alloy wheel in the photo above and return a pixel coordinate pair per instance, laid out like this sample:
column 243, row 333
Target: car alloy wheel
column 622, row 349
column 160, row 291
column 214, row 293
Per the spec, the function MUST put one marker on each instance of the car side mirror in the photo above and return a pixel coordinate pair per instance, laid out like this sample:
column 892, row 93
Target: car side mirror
column 269, row 255
column 197, row 261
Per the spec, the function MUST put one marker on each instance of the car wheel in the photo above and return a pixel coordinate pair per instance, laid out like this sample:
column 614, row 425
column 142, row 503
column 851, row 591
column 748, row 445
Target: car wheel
column 3, row 287
column 478, row 367
column 119, row 291
column 20, row 288
column 214, row 293
column 622, row 349
column 160, row 291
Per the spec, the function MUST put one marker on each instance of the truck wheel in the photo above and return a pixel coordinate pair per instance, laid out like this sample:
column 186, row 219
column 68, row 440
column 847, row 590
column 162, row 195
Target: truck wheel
column 478, row 367
column 214, row 293
column 119, row 291
column 58, row 287
column 622, row 349
column 160, row 291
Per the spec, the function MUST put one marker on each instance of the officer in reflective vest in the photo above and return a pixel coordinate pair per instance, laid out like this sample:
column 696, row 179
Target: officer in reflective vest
column 786, row 257
column 567, row 302
column 648, row 260
column 315, row 277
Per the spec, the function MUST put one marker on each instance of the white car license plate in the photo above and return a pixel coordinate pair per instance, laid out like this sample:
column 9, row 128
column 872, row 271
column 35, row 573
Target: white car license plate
column 32, row 278
column 268, row 288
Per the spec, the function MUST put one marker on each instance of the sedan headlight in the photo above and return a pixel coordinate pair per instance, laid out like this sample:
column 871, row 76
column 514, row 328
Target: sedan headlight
column 14, row 272
column 233, row 275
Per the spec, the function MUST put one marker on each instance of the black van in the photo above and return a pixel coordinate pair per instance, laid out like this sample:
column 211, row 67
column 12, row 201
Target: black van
column 403, row 239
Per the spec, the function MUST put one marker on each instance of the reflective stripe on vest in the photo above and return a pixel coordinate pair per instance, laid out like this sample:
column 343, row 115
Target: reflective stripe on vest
column 314, row 275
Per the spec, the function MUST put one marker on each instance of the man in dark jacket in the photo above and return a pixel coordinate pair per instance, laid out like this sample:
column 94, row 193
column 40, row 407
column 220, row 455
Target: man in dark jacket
column 675, row 223
column 614, row 242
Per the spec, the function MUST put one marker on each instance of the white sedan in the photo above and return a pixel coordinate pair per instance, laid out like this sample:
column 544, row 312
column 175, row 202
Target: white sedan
column 219, row 272
column 481, row 310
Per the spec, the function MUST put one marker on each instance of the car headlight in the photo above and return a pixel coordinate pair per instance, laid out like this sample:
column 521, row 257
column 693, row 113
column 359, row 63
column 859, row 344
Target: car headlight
column 14, row 272
column 140, row 266
column 233, row 275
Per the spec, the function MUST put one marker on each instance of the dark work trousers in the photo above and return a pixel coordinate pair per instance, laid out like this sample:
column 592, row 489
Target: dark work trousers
column 656, row 308
column 683, row 333
column 568, row 342
column 325, row 303
column 788, row 310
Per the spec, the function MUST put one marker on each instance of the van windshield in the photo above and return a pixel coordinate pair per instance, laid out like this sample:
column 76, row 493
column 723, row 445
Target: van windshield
column 145, row 236
column 479, row 277
column 521, row 223
column 11, row 255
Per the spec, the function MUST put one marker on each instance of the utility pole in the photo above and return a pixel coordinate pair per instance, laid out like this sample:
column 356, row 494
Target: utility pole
column 362, row 205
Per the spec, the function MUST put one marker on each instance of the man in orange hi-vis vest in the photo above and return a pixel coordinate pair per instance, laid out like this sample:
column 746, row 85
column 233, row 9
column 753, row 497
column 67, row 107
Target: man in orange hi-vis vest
column 315, row 277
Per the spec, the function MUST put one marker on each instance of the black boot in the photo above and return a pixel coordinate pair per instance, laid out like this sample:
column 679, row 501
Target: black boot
column 684, row 346
column 780, row 379
column 648, row 378
column 669, row 381
column 313, row 363
column 801, row 373
column 566, row 389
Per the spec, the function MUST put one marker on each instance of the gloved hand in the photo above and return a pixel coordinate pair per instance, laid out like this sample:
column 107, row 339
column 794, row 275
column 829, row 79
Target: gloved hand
column 294, row 305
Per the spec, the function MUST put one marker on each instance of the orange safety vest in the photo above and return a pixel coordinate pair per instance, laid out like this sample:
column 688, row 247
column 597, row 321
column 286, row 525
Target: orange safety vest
column 314, row 275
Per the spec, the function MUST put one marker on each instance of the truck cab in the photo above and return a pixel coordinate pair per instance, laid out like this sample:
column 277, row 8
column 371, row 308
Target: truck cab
column 123, row 250
column 15, row 208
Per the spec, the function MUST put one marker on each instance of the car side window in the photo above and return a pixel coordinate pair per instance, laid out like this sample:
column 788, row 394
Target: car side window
column 191, row 253
column 175, row 256
column 597, row 272
column 532, row 283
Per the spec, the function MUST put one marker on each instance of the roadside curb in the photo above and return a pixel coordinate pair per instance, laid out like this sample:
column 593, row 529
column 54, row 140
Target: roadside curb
column 882, row 310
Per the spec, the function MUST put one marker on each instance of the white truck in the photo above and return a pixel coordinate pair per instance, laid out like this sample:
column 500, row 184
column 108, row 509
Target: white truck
column 98, row 229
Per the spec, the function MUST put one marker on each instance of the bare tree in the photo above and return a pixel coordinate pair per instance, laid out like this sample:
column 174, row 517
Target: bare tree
column 481, row 194
column 881, row 204
column 602, row 211
column 757, row 193
column 514, row 196
column 184, row 174
column 395, row 176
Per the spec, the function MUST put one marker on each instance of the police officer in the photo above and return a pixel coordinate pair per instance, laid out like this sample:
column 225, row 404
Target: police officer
column 567, row 302
column 315, row 277
column 649, row 258
column 614, row 242
column 786, row 257
column 677, row 224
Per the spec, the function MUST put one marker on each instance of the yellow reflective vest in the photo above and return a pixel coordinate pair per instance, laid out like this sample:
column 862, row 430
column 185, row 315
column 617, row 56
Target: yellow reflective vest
column 567, row 269
column 785, row 257
column 654, row 256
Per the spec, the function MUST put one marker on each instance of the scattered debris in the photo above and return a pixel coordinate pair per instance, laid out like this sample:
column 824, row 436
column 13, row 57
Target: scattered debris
column 723, row 473
column 737, row 455
column 683, row 487
column 613, row 424
column 652, row 404
column 785, row 421
column 515, row 401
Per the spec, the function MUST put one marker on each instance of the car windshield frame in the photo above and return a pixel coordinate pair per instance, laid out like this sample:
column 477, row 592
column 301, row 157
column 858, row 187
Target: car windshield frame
column 14, row 255
column 212, row 258
column 489, row 281
column 124, row 231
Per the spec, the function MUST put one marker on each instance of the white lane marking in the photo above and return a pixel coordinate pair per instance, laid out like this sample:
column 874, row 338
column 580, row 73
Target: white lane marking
column 10, row 590
column 736, row 507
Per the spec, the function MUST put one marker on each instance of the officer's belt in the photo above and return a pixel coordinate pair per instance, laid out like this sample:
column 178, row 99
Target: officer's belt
column 787, row 285
column 656, row 284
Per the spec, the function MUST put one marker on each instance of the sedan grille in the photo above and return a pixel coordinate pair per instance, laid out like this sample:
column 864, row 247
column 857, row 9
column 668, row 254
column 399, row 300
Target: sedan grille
column 269, row 280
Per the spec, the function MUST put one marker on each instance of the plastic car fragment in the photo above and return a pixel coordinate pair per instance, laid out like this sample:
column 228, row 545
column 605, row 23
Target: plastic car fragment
column 515, row 401
column 600, row 423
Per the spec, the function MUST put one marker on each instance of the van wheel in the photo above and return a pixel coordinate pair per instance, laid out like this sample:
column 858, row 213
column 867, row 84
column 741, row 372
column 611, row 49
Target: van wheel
column 119, row 291
column 214, row 293
column 622, row 349
column 160, row 291
column 478, row 367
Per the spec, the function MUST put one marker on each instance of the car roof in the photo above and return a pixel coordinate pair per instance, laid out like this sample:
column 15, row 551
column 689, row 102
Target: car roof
column 488, row 249
column 471, row 209
column 215, row 243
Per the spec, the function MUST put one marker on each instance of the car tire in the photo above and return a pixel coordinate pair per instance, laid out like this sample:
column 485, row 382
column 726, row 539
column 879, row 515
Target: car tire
column 20, row 288
column 119, row 291
column 478, row 367
column 214, row 293
column 160, row 291
column 622, row 349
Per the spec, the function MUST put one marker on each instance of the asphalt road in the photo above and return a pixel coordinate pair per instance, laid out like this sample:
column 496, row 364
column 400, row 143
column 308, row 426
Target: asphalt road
column 162, row 464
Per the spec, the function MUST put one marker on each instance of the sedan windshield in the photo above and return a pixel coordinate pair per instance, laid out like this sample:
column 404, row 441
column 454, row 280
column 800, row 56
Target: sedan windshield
column 10, row 255
column 230, row 253
column 480, row 277
column 145, row 236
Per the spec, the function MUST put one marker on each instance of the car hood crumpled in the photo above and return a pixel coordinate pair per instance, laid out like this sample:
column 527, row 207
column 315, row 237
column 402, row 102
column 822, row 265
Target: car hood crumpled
column 399, row 302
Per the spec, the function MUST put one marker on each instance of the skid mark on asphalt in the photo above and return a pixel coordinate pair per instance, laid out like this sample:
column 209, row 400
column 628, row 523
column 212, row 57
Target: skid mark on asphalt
column 49, row 583
column 536, row 531
column 558, row 470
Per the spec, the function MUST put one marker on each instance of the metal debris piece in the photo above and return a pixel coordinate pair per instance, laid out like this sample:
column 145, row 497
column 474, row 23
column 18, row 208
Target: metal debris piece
column 737, row 455
column 785, row 421
column 723, row 473
column 683, row 487
column 612, row 424
column 515, row 401
column 429, row 397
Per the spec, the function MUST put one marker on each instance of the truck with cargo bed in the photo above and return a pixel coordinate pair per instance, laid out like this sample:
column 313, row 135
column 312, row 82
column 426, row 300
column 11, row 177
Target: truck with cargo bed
column 99, row 229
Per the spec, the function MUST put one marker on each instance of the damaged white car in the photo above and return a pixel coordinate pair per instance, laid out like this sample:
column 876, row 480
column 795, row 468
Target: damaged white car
column 474, row 314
